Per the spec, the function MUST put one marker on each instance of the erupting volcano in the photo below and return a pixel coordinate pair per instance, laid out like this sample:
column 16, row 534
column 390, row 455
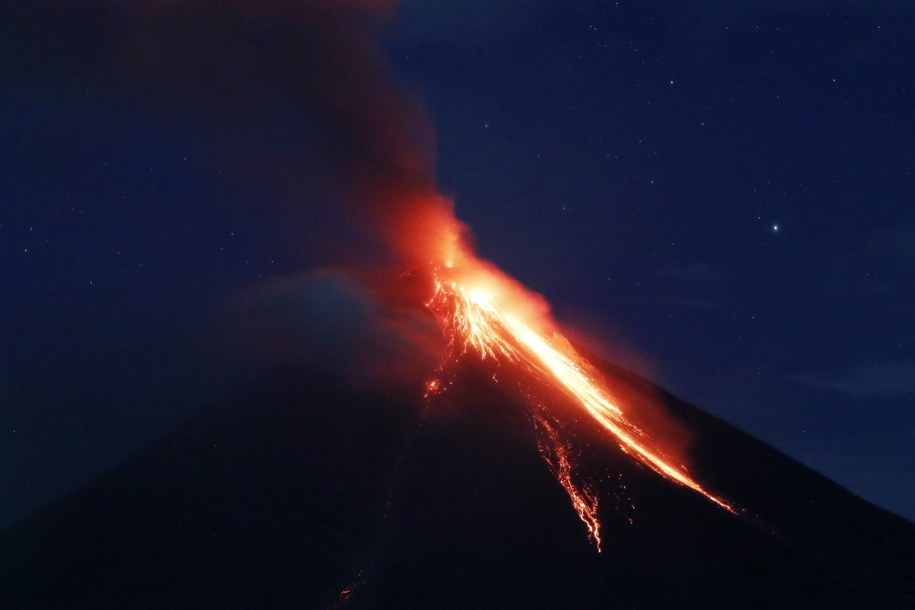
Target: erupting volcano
column 396, row 437
column 389, row 177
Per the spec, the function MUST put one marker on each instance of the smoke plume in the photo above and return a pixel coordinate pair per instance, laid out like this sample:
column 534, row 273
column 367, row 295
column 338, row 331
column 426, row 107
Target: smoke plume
column 235, row 61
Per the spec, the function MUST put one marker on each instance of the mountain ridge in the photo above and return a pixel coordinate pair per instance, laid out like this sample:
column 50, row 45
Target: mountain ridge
column 304, row 492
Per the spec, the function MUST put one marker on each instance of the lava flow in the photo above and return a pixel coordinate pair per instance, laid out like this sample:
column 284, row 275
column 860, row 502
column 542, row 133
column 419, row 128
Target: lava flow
column 483, row 311
column 584, row 498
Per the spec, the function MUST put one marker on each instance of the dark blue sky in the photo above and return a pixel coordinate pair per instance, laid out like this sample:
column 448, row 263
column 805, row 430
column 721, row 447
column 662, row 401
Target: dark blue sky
column 721, row 193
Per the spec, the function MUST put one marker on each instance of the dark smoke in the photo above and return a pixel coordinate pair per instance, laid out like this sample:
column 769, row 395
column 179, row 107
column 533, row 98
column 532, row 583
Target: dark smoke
column 295, row 97
column 237, row 60
column 236, row 65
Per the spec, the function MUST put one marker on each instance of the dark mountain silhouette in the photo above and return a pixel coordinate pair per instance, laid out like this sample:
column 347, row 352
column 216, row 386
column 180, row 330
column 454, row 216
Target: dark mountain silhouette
column 306, row 493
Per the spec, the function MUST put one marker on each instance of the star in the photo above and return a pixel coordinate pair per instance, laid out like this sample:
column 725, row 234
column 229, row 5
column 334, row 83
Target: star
column 775, row 228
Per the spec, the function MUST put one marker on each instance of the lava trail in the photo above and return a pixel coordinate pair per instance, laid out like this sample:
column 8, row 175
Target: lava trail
column 584, row 498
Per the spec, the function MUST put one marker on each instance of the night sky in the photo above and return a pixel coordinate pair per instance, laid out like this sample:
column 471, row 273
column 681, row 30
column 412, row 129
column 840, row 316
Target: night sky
column 717, row 194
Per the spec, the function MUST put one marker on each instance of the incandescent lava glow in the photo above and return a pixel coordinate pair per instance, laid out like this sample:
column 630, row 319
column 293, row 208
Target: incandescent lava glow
column 483, row 311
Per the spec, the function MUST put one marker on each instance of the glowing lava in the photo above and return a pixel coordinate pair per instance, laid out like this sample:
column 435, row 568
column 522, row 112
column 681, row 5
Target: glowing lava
column 485, row 312
column 584, row 499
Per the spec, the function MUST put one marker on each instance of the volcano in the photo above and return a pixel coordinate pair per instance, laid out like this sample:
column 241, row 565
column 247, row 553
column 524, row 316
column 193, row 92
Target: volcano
column 305, row 492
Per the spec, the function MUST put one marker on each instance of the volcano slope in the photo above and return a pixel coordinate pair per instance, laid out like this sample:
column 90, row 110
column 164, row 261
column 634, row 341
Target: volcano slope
column 307, row 493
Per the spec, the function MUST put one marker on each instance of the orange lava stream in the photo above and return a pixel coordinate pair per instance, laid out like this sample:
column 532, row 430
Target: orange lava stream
column 584, row 499
column 477, row 322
